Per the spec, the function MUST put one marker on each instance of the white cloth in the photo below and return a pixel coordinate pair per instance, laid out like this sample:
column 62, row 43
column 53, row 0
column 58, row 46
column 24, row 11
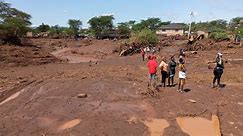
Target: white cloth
column 182, row 74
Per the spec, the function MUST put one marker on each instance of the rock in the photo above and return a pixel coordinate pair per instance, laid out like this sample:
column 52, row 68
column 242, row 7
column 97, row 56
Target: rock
column 82, row 95
column 192, row 101
column 231, row 123
column 84, row 77
column 240, row 103
column 194, row 52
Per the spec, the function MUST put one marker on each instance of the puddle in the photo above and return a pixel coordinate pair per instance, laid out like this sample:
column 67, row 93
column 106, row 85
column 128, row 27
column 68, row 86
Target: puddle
column 70, row 124
column 156, row 126
column 72, row 58
column 199, row 126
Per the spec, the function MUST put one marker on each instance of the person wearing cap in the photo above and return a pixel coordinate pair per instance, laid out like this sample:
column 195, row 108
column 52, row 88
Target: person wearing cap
column 172, row 66
column 152, row 67
column 164, row 71
column 182, row 75
column 218, row 70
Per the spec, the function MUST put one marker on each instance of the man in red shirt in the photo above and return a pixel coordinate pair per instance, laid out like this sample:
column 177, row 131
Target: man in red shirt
column 152, row 67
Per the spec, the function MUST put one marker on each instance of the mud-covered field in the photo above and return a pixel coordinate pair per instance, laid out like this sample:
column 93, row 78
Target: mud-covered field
column 39, row 85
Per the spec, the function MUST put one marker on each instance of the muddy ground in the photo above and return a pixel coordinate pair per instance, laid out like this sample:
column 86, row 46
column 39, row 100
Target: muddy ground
column 38, row 92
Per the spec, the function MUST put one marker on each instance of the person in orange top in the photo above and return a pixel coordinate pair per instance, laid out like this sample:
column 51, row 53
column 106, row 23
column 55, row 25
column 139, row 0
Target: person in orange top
column 164, row 70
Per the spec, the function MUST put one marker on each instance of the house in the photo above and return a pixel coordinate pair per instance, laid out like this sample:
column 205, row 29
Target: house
column 171, row 29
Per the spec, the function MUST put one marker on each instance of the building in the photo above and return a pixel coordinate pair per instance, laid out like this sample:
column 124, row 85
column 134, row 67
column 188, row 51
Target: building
column 171, row 29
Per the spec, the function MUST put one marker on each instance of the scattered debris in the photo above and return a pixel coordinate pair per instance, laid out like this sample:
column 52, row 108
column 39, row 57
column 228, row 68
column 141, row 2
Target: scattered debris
column 192, row 101
column 82, row 95
column 240, row 103
column 231, row 123
column 84, row 77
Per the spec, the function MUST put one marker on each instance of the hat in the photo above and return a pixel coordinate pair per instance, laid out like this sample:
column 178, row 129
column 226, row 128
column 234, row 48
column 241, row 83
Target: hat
column 220, row 54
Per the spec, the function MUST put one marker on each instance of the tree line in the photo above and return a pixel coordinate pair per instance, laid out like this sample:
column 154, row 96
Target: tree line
column 14, row 22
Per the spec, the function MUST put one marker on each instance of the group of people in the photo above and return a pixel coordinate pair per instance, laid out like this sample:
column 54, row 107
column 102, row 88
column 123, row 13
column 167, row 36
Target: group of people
column 145, row 52
column 168, row 70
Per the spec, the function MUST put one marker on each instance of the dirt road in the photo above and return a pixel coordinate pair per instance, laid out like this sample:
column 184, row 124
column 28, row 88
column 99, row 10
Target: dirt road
column 41, row 100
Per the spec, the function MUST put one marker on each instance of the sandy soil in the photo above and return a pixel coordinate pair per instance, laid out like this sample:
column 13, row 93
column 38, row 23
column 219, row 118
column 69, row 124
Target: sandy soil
column 41, row 99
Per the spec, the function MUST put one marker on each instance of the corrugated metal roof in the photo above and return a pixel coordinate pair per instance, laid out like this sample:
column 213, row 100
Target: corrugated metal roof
column 173, row 26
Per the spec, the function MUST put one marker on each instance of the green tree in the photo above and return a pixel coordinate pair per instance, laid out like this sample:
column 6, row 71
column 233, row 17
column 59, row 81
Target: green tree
column 150, row 23
column 43, row 28
column 124, row 28
column 222, row 24
column 200, row 26
column 101, row 24
column 236, row 23
column 75, row 26
column 13, row 21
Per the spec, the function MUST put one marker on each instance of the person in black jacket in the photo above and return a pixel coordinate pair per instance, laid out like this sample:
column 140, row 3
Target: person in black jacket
column 172, row 66
column 218, row 70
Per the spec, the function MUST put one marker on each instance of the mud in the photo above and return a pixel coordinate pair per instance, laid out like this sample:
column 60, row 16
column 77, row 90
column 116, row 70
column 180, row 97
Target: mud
column 197, row 126
column 156, row 126
column 70, row 124
column 114, row 106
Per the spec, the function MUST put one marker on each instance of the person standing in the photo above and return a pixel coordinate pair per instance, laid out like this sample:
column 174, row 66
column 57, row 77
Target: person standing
column 164, row 71
column 218, row 70
column 182, row 75
column 152, row 67
column 172, row 66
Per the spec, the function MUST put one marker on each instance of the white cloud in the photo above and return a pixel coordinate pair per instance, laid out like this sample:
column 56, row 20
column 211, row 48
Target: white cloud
column 108, row 14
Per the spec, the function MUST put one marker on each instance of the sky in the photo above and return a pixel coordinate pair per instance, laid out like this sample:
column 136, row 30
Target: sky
column 57, row 12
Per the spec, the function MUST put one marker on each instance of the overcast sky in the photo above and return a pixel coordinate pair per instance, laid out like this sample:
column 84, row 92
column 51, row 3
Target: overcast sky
column 54, row 12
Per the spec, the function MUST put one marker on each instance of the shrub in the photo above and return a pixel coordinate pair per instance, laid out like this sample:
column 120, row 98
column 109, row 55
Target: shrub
column 219, row 34
column 145, row 36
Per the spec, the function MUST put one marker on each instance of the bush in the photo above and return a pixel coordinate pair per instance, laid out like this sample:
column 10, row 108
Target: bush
column 219, row 34
column 145, row 36
column 239, row 32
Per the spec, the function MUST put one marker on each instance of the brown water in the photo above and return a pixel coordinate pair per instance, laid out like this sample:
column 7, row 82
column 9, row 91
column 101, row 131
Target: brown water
column 156, row 126
column 199, row 126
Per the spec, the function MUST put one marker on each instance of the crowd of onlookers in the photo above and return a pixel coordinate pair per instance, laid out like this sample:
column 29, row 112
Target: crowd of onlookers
column 167, row 68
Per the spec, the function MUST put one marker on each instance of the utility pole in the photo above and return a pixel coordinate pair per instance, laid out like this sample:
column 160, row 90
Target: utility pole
column 190, row 25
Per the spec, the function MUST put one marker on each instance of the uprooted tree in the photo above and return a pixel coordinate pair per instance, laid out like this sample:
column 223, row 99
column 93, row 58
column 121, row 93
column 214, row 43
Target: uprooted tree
column 13, row 23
